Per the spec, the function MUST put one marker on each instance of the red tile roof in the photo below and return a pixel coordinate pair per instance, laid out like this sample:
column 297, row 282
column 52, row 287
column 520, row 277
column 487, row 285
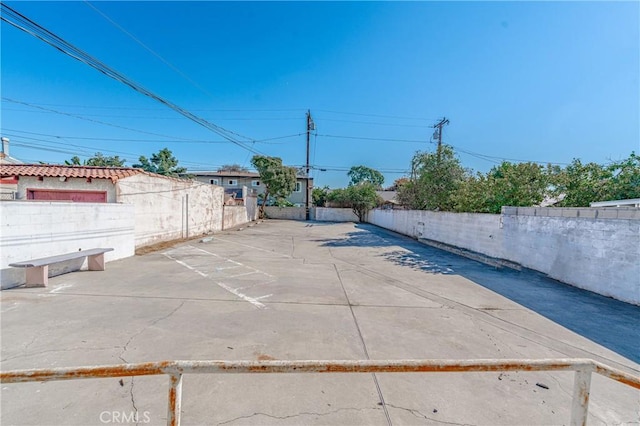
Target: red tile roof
column 113, row 173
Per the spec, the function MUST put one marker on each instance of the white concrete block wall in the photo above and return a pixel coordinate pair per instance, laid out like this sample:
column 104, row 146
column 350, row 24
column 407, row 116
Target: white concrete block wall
column 330, row 214
column 168, row 209
column 477, row 232
column 34, row 229
column 601, row 255
column 289, row 213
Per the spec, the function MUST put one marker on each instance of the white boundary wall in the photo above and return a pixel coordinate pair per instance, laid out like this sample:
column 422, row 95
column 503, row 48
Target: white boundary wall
column 593, row 249
column 33, row 229
column 168, row 209
column 288, row 213
column 330, row 214
column 239, row 215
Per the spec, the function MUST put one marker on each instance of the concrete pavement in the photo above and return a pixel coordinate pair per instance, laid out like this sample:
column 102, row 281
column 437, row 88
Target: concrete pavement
column 304, row 290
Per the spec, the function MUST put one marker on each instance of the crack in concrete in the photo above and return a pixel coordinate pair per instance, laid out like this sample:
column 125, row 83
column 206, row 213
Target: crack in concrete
column 126, row 345
column 133, row 401
column 417, row 413
column 23, row 355
column 304, row 413
column 364, row 345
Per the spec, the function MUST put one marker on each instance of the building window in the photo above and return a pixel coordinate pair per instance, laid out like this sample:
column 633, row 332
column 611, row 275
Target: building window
column 232, row 182
column 255, row 183
column 214, row 182
column 298, row 187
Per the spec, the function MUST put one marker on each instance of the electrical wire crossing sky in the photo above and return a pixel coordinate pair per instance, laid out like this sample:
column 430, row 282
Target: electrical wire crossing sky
column 218, row 82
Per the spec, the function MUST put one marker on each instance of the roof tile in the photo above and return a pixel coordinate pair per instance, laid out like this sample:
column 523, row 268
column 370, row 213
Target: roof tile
column 112, row 173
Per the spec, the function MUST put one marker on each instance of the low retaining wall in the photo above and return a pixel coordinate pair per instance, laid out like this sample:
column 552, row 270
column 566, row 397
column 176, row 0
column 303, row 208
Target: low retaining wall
column 586, row 248
column 32, row 229
column 290, row 213
column 235, row 216
column 329, row 214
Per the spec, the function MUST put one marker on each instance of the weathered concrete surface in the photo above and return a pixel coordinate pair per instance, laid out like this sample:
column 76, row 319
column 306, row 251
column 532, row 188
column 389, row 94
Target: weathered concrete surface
column 309, row 290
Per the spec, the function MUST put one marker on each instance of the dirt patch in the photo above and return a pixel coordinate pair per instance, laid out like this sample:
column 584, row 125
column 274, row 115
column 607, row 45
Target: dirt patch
column 164, row 245
column 263, row 357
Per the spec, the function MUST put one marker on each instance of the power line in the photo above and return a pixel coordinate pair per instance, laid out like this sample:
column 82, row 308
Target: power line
column 364, row 138
column 80, row 117
column 375, row 115
column 183, row 141
column 25, row 24
column 157, row 55
column 162, row 109
column 374, row 123
column 494, row 159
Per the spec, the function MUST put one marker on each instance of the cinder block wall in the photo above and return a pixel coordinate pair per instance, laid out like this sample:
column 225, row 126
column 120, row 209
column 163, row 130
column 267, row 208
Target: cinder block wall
column 290, row 213
column 477, row 232
column 330, row 214
column 34, row 229
column 594, row 249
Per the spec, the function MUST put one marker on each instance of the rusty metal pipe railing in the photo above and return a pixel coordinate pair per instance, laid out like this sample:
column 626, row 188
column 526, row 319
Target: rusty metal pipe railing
column 176, row 369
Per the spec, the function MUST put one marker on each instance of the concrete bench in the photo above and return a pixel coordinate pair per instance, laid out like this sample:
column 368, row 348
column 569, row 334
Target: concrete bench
column 38, row 269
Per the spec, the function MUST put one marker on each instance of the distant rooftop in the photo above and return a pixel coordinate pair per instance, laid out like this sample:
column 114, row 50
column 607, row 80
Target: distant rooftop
column 43, row 170
column 225, row 173
column 631, row 202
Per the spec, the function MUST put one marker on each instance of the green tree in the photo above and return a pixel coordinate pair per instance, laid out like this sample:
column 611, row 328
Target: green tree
column 361, row 198
column 509, row 184
column 163, row 163
column 433, row 180
column 233, row 168
column 98, row 159
column 361, row 174
column 319, row 196
column 279, row 180
column 580, row 184
column 626, row 178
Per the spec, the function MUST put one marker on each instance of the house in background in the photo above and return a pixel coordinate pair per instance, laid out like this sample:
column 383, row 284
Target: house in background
column 9, row 184
column 390, row 200
column 234, row 181
column 166, row 208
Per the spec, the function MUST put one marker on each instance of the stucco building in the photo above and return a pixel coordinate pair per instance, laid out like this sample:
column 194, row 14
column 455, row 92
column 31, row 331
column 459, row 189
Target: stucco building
column 233, row 181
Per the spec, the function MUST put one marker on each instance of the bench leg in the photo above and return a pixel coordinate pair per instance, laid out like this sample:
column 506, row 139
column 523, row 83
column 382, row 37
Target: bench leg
column 96, row 262
column 37, row 276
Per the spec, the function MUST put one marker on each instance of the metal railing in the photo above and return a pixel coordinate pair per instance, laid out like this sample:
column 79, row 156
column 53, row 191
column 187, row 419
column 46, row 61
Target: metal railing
column 176, row 369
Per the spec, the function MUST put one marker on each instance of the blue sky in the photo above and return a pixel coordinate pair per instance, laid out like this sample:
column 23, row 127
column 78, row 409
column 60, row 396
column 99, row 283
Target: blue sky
column 540, row 81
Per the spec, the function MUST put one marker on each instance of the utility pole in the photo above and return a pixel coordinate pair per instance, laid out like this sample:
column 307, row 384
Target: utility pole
column 438, row 134
column 310, row 126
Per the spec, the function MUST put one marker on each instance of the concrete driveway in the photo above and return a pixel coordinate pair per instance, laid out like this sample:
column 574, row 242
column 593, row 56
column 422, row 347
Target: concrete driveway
column 304, row 290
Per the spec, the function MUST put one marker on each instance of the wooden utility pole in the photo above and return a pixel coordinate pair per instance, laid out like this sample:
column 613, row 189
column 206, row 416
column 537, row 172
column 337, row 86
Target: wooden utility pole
column 438, row 134
column 310, row 126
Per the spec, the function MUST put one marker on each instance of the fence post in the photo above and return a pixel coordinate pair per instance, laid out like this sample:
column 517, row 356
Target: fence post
column 580, row 403
column 175, row 400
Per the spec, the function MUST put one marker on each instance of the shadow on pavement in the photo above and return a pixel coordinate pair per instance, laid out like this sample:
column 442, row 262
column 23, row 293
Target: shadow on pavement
column 606, row 321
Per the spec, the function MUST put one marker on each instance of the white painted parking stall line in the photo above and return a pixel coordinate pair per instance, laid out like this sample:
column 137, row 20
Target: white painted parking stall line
column 230, row 260
column 253, row 247
column 243, row 275
column 235, row 291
